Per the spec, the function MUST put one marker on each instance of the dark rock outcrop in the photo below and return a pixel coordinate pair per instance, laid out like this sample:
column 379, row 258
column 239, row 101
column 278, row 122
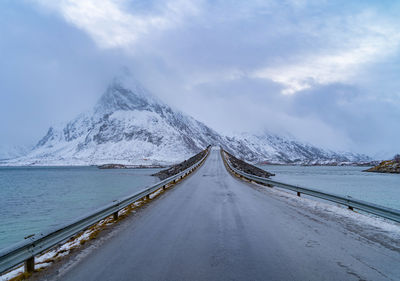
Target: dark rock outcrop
column 246, row 167
column 390, row 166
column 122, row 166
column 175, row 169
column 112, row 166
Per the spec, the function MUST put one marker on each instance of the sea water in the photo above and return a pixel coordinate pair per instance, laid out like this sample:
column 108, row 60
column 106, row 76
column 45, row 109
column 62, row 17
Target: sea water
column 36, row 199
column 378, row 188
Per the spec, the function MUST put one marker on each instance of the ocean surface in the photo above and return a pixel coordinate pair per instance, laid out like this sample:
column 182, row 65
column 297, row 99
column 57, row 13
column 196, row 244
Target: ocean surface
column 381, row 189
column 36, row 199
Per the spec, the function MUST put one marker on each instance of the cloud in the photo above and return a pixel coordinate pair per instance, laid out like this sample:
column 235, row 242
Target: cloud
column 111, row 24
column 368, row 40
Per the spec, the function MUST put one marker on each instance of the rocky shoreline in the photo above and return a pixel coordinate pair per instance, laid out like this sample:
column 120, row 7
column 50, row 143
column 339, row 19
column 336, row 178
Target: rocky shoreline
column 389, row 166
column 246, row 167
column 122, row 166
column 175, row 169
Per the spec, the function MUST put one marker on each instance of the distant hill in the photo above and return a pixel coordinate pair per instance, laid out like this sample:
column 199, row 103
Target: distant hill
column 14, row 151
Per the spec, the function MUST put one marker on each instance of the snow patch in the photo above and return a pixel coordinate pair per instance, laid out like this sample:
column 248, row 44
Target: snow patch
column 386, row 226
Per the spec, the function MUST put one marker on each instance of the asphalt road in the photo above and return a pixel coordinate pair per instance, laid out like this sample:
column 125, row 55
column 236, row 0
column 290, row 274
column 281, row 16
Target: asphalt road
column 213, row 226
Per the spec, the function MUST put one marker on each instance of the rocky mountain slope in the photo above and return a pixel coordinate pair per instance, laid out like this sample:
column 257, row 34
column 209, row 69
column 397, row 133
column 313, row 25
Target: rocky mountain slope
column 130, row 126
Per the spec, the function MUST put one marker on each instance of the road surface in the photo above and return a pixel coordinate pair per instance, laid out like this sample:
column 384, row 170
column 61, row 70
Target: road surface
column 213, row 226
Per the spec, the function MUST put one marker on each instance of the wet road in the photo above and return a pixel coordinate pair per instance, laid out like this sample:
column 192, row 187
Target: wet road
column 213, row 226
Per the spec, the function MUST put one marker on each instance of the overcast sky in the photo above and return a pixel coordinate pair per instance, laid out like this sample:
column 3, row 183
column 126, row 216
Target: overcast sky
column 326, row 72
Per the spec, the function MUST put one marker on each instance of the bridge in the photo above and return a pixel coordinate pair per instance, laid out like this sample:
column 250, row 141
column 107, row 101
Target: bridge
column 215, row 226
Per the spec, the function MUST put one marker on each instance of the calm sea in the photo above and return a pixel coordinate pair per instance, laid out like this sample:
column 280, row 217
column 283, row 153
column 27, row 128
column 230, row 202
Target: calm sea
column 381, row 189
column 35, row 199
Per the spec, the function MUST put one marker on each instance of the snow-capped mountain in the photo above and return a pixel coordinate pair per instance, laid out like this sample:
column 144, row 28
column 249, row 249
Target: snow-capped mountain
column 127, row 125
column 130, row 126
column 269, row 148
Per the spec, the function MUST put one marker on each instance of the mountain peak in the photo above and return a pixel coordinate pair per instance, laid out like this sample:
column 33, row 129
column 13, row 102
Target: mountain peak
column 124, row 93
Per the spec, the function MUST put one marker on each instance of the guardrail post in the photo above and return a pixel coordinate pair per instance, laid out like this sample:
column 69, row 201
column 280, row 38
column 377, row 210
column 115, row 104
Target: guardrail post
column 163, row 187
column 115, row 215
column 298, row 193
column 30, row 265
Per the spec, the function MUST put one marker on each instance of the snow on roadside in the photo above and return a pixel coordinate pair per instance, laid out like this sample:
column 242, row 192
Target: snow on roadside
column 48, row 258
column 390, row 228
column 156, row 193
column 11, row 274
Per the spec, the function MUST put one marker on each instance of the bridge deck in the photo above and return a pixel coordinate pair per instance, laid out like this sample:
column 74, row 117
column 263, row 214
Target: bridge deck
column 213, row 226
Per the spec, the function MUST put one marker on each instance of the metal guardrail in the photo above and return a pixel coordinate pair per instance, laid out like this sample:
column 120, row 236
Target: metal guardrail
column 26, row 250
column 388, row 213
